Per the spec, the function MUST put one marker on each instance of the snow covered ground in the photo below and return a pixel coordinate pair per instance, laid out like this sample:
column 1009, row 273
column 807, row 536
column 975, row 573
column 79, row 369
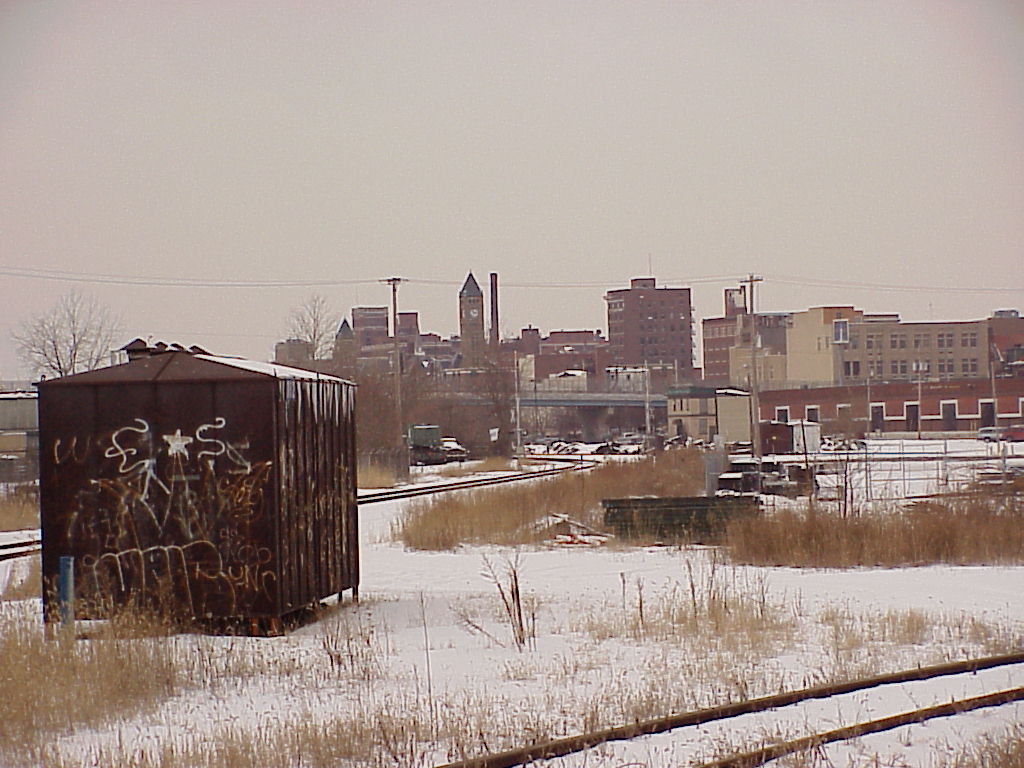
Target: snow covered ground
column 617, row 634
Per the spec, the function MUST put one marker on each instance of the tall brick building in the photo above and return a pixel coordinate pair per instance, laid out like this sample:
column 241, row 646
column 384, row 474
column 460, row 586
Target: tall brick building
column 648, row 325
column 720, row 335
column 370, row 325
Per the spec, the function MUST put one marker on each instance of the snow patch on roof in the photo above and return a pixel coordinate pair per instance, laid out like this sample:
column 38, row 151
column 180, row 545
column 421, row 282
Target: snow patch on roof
column 268, row 369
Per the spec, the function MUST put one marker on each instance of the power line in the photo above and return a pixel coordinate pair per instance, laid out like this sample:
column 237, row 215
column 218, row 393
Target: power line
column 810, row 282
column 167, row 282
column 69, row 276
column 192, row 282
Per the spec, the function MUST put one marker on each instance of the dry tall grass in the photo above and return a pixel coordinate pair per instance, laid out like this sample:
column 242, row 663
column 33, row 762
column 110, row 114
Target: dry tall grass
column 19, row 508
column 375, row 476
column 987, row 529
column 1000, row 750
column 24, row 580
column 53, row 687
column 344, row 701
column 714, row 605
column 490, row 464
column 508, row 514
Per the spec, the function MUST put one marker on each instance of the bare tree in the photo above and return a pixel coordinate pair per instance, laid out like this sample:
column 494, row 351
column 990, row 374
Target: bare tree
column 76, row 334
column 315, row 322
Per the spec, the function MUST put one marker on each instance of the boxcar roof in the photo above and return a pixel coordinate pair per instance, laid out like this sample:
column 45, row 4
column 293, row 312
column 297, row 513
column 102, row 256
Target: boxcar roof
column 184, row 366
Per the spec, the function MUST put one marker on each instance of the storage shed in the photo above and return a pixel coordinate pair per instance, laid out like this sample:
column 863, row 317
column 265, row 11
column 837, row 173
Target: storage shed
column 222, row 487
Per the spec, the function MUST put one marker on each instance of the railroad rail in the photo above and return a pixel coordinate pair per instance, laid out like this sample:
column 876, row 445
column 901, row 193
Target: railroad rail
column 570, row 464
column 22, row 547
column 759, row 757
column 566, row 746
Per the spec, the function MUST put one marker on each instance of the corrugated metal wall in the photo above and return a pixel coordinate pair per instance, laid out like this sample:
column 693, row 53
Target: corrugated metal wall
column 319, row 548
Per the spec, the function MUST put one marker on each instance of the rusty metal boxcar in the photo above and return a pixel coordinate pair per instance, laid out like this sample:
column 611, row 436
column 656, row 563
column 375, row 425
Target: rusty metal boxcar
column 226, row 485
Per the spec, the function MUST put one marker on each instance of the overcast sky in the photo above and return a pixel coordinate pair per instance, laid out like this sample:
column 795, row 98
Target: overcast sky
column 840, row 149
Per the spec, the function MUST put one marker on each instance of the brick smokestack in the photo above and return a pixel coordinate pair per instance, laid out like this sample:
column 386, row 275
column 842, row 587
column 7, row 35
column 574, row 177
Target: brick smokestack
column 494, row 310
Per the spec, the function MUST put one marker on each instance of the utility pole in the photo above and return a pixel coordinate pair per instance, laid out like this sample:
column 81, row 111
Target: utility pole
column 647, row 407
column 519, row 437
column 992, row 348
column 397, row 352
column 755, row 426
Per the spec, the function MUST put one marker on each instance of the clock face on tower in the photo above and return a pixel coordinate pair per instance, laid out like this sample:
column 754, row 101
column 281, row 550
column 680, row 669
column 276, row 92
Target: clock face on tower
column 474, row 312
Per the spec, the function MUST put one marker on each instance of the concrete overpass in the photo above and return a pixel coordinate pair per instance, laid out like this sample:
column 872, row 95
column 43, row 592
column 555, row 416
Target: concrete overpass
column 593, row 415
column 539, row 399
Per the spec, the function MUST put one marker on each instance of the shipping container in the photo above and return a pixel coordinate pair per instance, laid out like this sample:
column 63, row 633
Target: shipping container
column 220, row 487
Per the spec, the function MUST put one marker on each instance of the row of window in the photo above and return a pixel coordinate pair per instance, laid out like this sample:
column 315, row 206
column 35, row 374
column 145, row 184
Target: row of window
column 812, row 413
column 876, row 368
column 944, row 340
column 661, row 326
column 719, row 331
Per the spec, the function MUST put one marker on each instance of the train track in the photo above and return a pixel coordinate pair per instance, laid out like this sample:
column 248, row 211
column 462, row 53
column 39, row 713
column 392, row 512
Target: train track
column 567, row 746
column 23, row 547
column 569, row 464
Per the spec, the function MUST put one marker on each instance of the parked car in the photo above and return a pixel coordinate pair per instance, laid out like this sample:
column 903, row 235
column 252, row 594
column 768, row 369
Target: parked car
column 990, row 434
column 453, row 449
column 1014, row 433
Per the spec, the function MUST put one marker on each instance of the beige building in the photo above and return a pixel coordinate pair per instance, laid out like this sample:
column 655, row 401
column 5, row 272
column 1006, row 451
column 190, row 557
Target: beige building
column 838, row 345
column 897, row 351
column 814, row 344
column 704, row 412
column 771, row 367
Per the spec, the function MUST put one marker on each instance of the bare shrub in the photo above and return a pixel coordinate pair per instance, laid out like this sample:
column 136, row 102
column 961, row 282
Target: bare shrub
column 19, row 508
column 985, row 529
column 508, row 514
column 522, row 623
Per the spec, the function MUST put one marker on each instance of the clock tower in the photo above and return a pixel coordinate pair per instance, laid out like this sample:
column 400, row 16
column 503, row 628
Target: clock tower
column 471, row 322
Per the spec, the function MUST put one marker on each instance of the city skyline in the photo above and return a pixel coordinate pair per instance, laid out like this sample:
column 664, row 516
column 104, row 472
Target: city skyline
column 219, row 342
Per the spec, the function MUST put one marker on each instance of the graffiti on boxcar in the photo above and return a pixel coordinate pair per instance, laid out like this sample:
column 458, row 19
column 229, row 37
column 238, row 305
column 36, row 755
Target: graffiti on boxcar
column 70, row 453
column 173, row 511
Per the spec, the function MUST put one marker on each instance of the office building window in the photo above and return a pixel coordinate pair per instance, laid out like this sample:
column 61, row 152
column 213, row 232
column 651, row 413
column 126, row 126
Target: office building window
column 840, row 331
